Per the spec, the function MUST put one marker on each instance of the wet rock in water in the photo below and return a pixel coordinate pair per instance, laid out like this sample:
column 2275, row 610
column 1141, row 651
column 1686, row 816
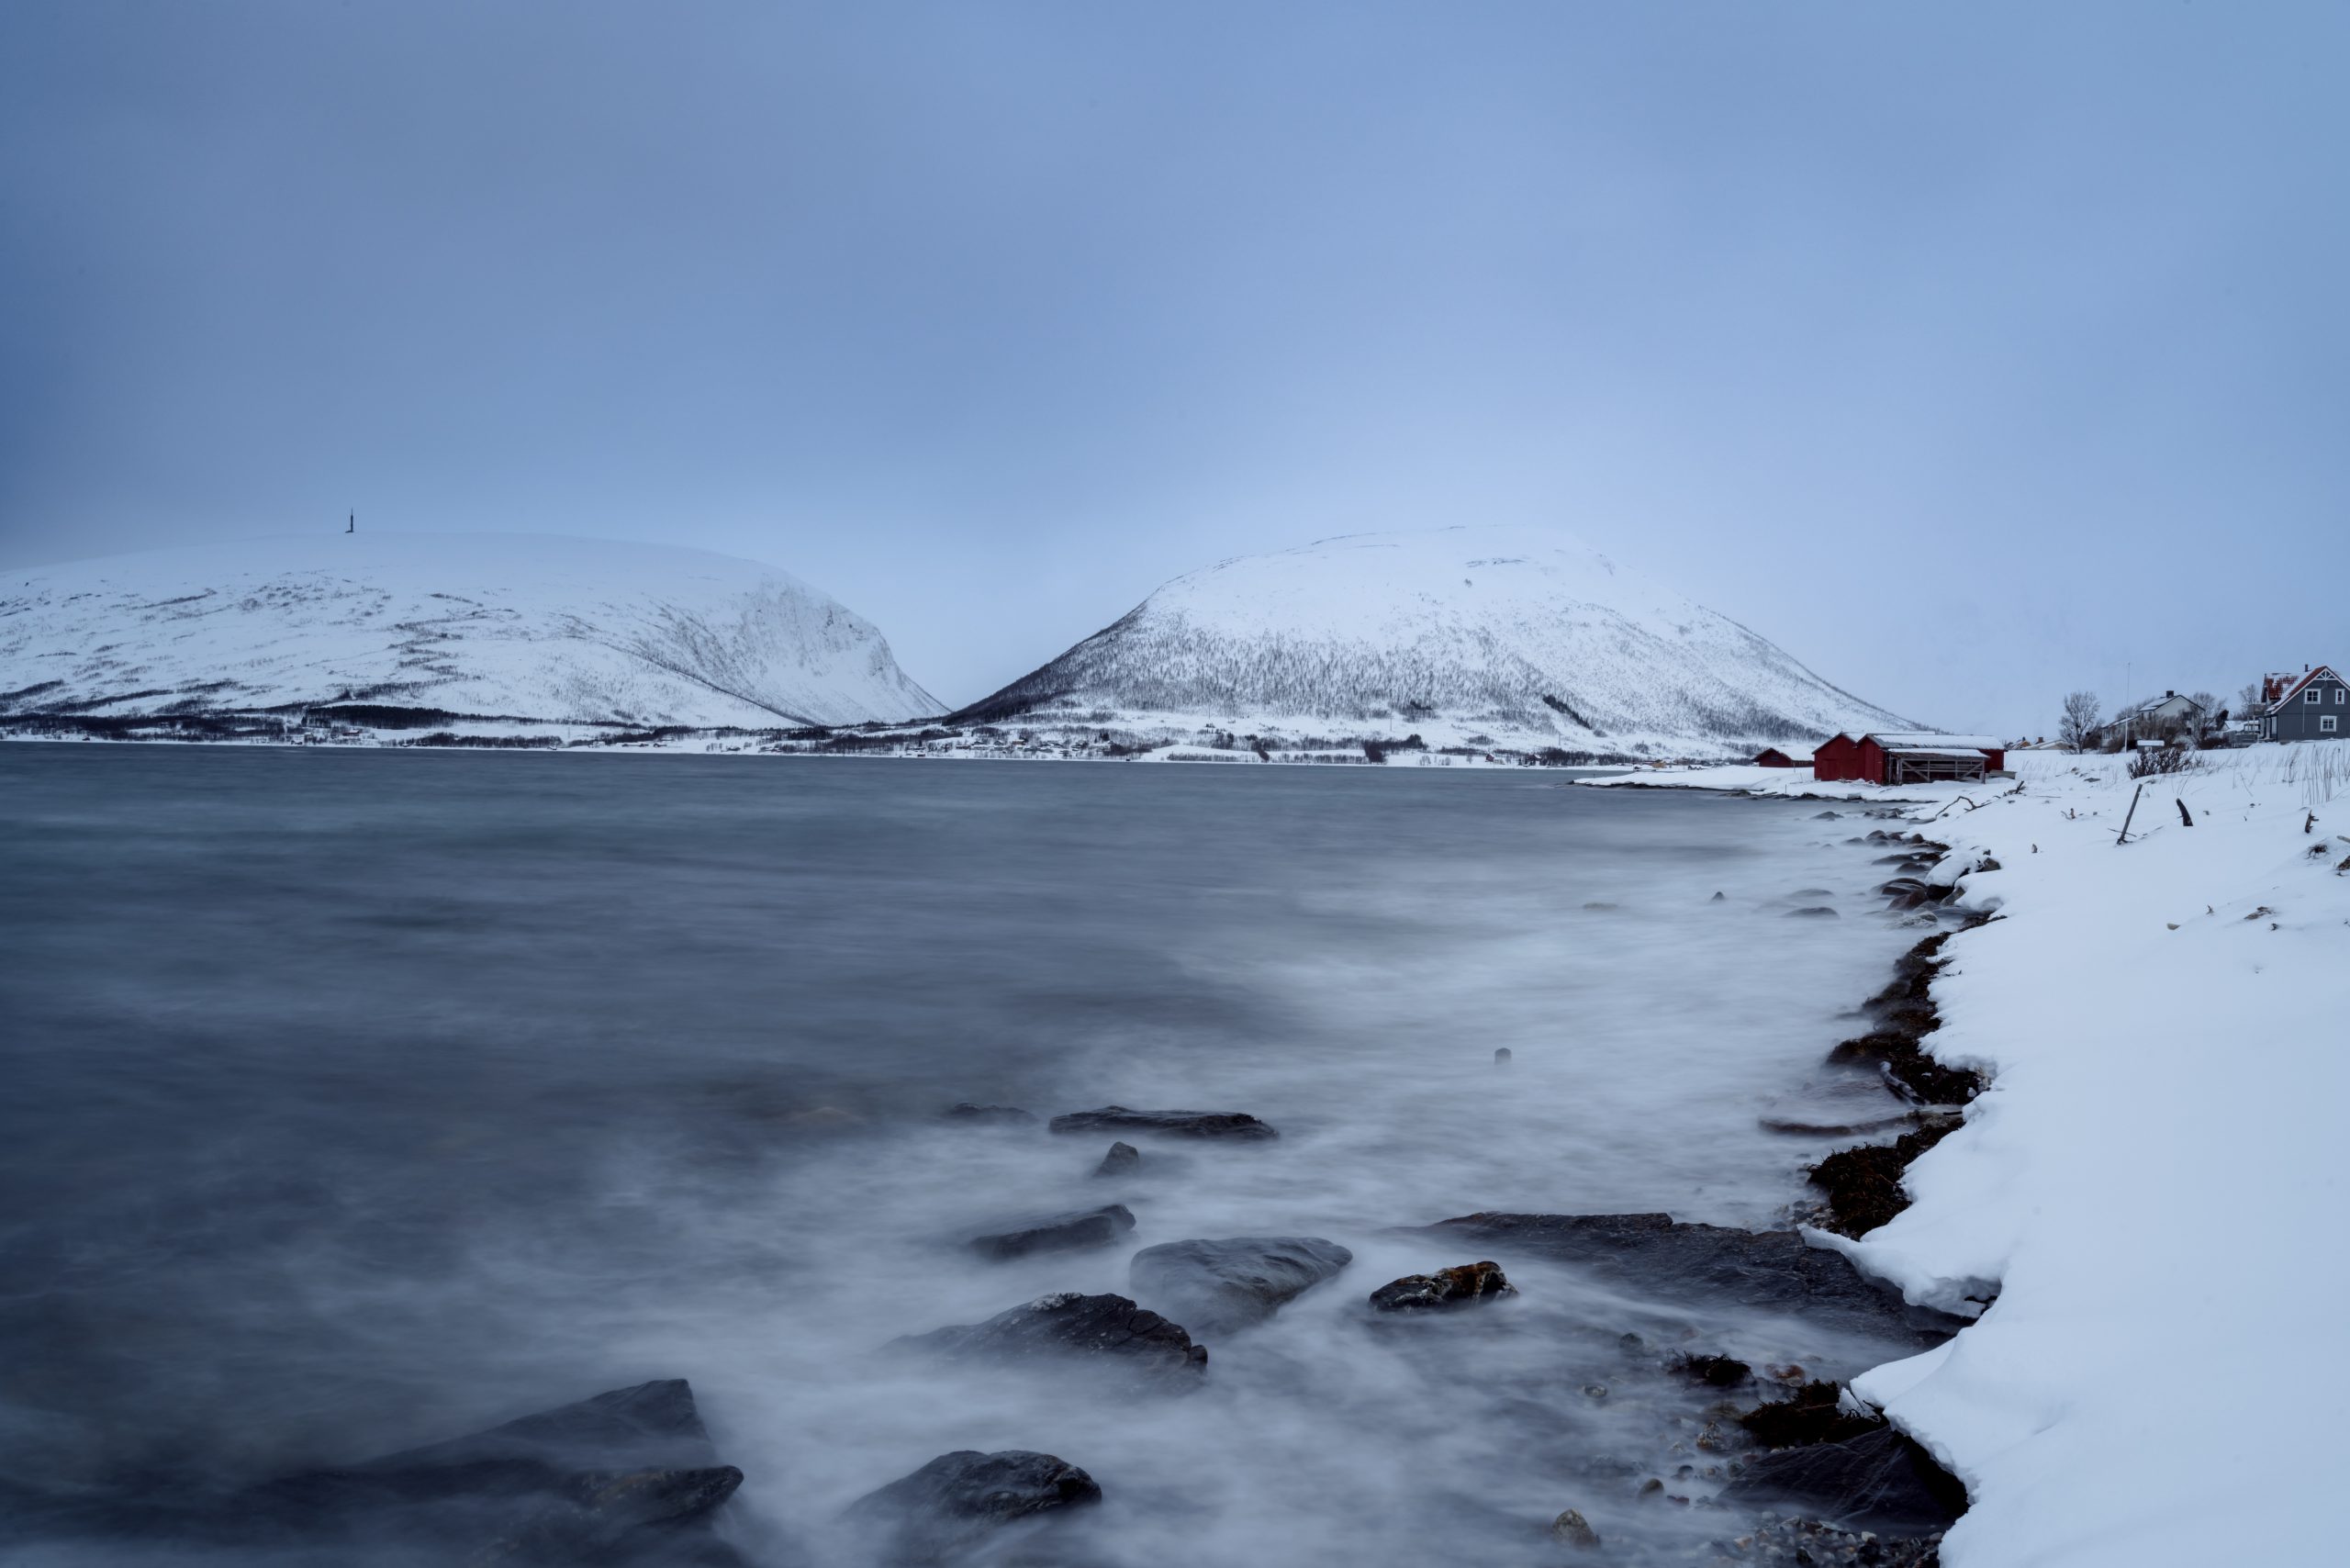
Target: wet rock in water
column 1603, row 907
column 1108, row 1333
column 1838, row 1108
column 1445, row 1288
column 957, row 1502
column 1714, row 1371
column 988, row 1115
column 1719, row 897
column 1123, row 1159
column 1235, row 1124
column 1220, row 1286
column 1573, row 1530
column 1816, row 912
column 1775, row 1270
column 1812, row 894
column 1501, row 1055
column 1815, row 1413
column 1878, row 1481
column 1057, row 1233
column 1825, row 816
column 1864, row 1185
column 626, row 1477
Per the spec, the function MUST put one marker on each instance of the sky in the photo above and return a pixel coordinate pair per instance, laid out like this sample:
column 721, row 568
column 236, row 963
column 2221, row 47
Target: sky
column 1973, row 353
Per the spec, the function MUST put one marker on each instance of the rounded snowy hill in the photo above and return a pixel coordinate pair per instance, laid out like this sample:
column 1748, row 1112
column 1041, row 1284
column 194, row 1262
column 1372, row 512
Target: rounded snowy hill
column 514, row 625
column 1521, row 635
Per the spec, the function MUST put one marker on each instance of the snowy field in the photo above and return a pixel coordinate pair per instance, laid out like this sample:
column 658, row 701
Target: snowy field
column 2153, row 1184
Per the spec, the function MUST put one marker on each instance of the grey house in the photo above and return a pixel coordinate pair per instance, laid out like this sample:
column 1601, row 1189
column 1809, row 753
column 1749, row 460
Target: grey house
column 2314, row 707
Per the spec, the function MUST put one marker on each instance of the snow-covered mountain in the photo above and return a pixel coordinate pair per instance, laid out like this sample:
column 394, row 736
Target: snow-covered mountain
column 1518, row 634
column 517, row 625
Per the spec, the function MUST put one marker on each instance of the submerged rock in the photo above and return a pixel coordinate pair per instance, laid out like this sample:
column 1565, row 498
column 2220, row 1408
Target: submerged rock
column 1220, row 1286
column 1810, row 1544
column 1108, row 1332
column 952, row 1505
column 1878, row 1481
column 1236, row 1124
column 1501, row 1055
column 1057, row 1233
column 1574, row 1530
column 1445, row 1288
column 1123, row 1159
column 1838, row 1108
column 1814, row 911
column 1775, row 1270
column 989, row 1115
column 626, row 1478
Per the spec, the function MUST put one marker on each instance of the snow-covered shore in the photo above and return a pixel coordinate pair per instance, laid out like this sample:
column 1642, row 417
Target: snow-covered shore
column 2151, row 1185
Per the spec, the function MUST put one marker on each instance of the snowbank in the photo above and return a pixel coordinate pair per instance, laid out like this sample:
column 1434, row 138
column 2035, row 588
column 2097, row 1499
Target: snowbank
column 2152, row 1185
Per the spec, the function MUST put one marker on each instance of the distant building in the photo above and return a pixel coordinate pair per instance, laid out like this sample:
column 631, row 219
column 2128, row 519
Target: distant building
column 2315, row 707
column 2170, row 711
column 1773, row 757
column 1908, row 756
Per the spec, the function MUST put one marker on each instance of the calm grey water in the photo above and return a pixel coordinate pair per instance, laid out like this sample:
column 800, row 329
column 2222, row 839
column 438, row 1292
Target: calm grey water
column 358, row 1098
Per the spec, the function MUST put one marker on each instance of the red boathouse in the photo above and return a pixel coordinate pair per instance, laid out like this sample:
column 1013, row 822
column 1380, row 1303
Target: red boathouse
column 1775, row 757
column 1908, row 756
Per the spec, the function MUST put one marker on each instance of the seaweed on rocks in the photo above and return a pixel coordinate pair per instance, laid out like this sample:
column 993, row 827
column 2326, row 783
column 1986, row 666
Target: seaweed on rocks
column 1815, row 1413
column 1864, row 1185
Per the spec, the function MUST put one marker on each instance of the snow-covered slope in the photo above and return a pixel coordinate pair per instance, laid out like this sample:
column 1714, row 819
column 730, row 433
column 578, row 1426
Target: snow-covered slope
column 1521, row 634
column 523, row 625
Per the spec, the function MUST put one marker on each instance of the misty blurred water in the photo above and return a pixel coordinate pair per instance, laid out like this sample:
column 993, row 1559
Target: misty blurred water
column 355, row 1099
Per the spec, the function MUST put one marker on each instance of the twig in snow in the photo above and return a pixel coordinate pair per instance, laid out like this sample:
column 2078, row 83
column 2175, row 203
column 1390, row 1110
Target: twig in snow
column 2125, row 837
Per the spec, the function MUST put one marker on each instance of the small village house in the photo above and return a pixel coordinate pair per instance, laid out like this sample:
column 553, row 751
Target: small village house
column 2311, row 706
column 1778, row 756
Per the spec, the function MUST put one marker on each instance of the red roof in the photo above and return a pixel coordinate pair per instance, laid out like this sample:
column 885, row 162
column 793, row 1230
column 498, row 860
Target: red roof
column 2314, row 671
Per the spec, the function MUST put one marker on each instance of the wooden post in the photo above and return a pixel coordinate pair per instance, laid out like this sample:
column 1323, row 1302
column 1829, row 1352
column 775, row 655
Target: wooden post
column 2133, row 812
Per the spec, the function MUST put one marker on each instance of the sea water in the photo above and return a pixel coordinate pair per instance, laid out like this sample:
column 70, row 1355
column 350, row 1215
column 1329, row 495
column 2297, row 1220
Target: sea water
column 358, row 1098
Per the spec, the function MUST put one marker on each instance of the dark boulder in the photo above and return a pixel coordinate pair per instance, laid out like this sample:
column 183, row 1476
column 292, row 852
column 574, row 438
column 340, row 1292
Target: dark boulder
column 1057, row 1233
column 1772, row 1270
column 1878, row 1481
column 1220, row 1286
column 1236, row 1124
column 1445, row 1288
column 1815, row 911
column 1106, row 1333
column 954, row 1503
column 989, row 1115
column 1123, row 1159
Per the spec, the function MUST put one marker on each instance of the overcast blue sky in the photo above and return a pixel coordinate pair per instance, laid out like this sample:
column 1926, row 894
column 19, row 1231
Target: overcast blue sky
column 1969, row 351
